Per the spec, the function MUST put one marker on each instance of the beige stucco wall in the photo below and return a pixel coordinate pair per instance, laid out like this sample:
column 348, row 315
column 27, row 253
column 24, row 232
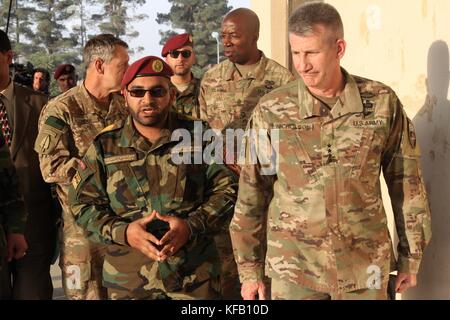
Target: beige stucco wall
column 403, row 43
column 273, row 33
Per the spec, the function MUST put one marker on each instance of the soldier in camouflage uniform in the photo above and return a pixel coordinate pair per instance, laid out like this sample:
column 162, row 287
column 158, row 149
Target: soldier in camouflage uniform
column 12, row 220
column 180, row 56
column 327, row 234
column 228, row 94
column 68, row 124
column 157, row 217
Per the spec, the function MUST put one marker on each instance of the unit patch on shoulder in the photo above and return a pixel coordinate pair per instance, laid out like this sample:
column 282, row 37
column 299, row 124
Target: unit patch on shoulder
column 56, row 123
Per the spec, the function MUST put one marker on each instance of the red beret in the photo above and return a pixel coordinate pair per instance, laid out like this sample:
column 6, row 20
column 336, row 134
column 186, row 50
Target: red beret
column 63, row 69
column 146, row 67
column 176, row 42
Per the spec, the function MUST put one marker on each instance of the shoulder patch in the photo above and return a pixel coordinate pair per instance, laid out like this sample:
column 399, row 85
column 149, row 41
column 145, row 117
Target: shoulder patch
column 56, row 123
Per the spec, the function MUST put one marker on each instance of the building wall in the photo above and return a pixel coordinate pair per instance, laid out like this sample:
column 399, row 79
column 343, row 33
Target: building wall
column 404, row 44
column 273, row 33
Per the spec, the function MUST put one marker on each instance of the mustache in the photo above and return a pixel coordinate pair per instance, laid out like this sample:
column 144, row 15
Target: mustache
column 151, row 106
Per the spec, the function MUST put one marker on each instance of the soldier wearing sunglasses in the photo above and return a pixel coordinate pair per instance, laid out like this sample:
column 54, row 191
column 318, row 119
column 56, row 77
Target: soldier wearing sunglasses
column 179, row 55
column 157, row 218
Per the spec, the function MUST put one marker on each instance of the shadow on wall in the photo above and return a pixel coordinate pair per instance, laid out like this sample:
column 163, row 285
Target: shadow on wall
column 432, row 124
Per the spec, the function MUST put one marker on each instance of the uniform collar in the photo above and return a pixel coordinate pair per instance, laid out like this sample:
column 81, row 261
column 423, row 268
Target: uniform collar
column 191, row 88
column 348, row 102
column 231, row 72
column 89, row 103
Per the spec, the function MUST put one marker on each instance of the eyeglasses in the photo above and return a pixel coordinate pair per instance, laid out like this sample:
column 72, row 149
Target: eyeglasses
column 184, row 53
column 155, row 92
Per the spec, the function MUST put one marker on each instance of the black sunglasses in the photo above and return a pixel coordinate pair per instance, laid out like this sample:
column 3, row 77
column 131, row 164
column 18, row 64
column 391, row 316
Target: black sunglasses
column 155, row 92
column 184, row 53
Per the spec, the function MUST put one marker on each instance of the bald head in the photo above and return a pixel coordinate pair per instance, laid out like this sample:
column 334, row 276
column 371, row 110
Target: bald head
column 245, row 17
column 240, row 33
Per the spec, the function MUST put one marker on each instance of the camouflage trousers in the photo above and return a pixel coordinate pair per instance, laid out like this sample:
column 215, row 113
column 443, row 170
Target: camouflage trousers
column 229, row 277
column 285, row 290
column 130, row 275
column 81, row 262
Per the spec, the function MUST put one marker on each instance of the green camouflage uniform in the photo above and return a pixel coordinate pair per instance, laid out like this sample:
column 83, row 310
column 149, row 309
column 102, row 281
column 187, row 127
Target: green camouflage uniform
column 67, row 126
column 126, row 179
column 326, row 225
column 12, row 213
column 227, row 100
column 187, row 101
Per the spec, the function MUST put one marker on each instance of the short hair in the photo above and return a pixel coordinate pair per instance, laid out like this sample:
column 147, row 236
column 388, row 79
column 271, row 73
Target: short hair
column 44, row 72
column 101, row 46
column 5, row 44
column 250, row 18
column 308, row 15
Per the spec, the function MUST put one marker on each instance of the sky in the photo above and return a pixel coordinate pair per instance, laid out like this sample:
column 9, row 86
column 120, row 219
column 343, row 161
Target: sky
column 149, row 30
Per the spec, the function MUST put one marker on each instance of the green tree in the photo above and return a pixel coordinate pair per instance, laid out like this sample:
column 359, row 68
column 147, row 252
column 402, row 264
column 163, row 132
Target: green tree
column 20, row 25
column 53, row 42
column 116, row 17
column 200, row 18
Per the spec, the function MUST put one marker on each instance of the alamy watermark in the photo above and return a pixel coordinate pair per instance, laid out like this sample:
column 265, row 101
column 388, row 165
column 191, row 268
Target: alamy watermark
column 243, row 147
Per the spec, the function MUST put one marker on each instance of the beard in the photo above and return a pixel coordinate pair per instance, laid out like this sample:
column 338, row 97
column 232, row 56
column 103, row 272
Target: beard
column 182, row 72
column 149, row 116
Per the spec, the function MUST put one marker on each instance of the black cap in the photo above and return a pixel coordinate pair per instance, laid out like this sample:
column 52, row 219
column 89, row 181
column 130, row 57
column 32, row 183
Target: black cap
column 5, row 44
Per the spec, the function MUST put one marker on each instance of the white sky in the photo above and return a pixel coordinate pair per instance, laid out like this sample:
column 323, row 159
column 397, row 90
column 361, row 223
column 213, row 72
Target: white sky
column 149, row 30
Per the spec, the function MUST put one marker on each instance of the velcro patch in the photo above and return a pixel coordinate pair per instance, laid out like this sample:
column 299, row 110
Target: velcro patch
column 56, row 123
column 368, row 123
column 121, row 158
column 47, row 139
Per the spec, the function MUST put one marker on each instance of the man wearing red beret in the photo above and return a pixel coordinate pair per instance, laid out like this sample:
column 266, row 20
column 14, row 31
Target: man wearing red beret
column 66, row 77
column 157, row 216
column 67, row 126
column 179, row 55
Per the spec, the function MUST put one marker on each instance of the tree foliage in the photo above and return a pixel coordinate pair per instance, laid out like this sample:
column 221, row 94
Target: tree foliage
column 50, row 32
column 200, row 18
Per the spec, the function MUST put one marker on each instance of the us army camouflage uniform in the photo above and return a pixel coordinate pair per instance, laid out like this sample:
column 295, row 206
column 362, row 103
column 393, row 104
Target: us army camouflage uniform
column 187, row 101
column 12, row 214
column 126, row 179
column 227, row 100
column 326, row 226
column 67, row 126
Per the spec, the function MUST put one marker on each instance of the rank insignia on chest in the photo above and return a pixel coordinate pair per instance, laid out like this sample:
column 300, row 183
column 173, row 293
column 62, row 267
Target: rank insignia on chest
column 368, row 108
column 269, row 84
